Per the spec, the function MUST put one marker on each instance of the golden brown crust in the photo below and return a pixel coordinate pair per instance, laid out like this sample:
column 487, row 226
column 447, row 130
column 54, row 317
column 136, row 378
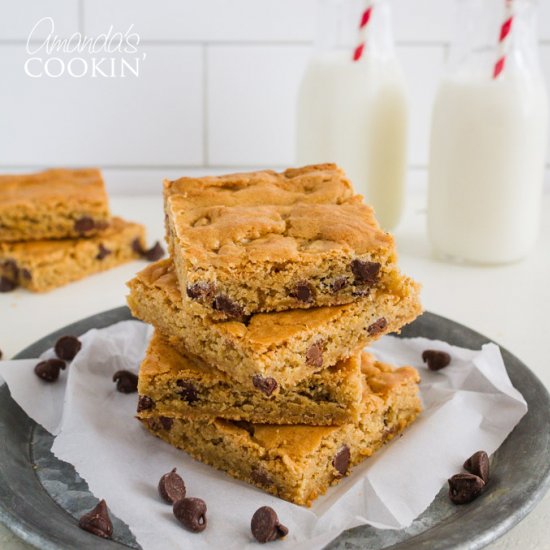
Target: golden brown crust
column 258, row 240
column 263, row 329
column 183, row 385
column 52, row 204
column 58, row 184
column 227, row 237
column 322, row 183
column 43, row 265
column 43, row 251
column 382, row 378
column 298, row 463
column 287, row 346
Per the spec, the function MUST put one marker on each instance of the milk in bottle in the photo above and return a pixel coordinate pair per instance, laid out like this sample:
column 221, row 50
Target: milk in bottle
column 488, row 145
column 354, row 113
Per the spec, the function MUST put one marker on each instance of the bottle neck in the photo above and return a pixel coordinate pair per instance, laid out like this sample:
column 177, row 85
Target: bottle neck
column 338, row 28
column 477, row 47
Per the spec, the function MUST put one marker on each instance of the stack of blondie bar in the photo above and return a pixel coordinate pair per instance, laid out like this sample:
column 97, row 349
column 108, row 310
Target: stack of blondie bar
column 275, row 284
column 55, row 227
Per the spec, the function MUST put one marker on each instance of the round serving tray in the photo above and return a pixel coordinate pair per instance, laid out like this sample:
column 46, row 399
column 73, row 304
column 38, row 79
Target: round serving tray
column 41, row 497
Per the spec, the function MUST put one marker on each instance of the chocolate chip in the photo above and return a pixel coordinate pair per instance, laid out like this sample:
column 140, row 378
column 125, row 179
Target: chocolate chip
column 171, row 487
column 377, row 327
column 314, row 354
column 302, row 291
column 153, row 424
column 145, row 403
column 7, row 285
column 365, row 272
column 201, row 291
column 228, row 306
column 166, row 422
column 245, row 319
column 265, row 385
column 49, row 370
column 338, row 284
column 341, row 460
column 11, row 273
column 156, row 252
column 478, row 464
column 188, row 391
column 435, row 359
column 265, row 525
column 245, row 425
column 137, row 247
column 67, row 347
column 10, row 268
column 160, row 423
column 97, row 521
column 1, row 355
column 464, row 488
column 126, row 381
column 103, row 252
column 84, row 224
column 191, row 513
column 260, row 476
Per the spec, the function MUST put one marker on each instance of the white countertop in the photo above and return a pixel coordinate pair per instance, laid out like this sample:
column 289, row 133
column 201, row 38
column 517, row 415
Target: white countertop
column 508, row 304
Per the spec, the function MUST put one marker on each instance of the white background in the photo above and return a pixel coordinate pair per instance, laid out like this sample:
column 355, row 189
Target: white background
column 217, row 90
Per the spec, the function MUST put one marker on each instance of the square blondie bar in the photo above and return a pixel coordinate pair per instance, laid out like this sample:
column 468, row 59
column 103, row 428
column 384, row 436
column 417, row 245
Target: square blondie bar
column 54, row 204
column 267, row 241
column 43, row 265
column 271, row 350
column 298, row 463
column 177, row 385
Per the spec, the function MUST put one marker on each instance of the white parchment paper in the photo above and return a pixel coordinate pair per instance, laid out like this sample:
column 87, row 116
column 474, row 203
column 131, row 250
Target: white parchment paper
column 470, row 405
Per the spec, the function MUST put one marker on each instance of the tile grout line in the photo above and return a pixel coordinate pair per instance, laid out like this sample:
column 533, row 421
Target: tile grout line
column 446, row 52
column 81, row 17
column 155, row 168
column 178, row 42
column 205, row 125
column 237, row 43
column 145, row 168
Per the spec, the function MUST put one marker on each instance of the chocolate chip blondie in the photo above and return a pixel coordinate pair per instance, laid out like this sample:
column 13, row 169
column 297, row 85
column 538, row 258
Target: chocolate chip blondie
column 54, row 204
column 270, row 350
column 176, row 385
column 43, row 265
column 267, row 241
column 298, row 463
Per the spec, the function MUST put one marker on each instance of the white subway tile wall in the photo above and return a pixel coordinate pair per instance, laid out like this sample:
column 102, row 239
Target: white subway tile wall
column 423, row 21
column 206, row 20
column 151, row 120
column 17, row 18
column 251, row 97
column 217, row 88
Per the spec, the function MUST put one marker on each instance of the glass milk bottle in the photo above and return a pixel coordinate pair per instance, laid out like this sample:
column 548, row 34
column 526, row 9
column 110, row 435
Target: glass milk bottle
column 352, row 106
column 489, row 137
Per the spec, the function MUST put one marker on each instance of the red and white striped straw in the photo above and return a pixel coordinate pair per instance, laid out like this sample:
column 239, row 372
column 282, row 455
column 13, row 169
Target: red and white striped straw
column 503, row 39
column 364, row 21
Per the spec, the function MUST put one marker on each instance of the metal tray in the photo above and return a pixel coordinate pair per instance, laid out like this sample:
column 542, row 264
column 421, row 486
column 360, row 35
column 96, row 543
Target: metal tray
column 42, row 497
